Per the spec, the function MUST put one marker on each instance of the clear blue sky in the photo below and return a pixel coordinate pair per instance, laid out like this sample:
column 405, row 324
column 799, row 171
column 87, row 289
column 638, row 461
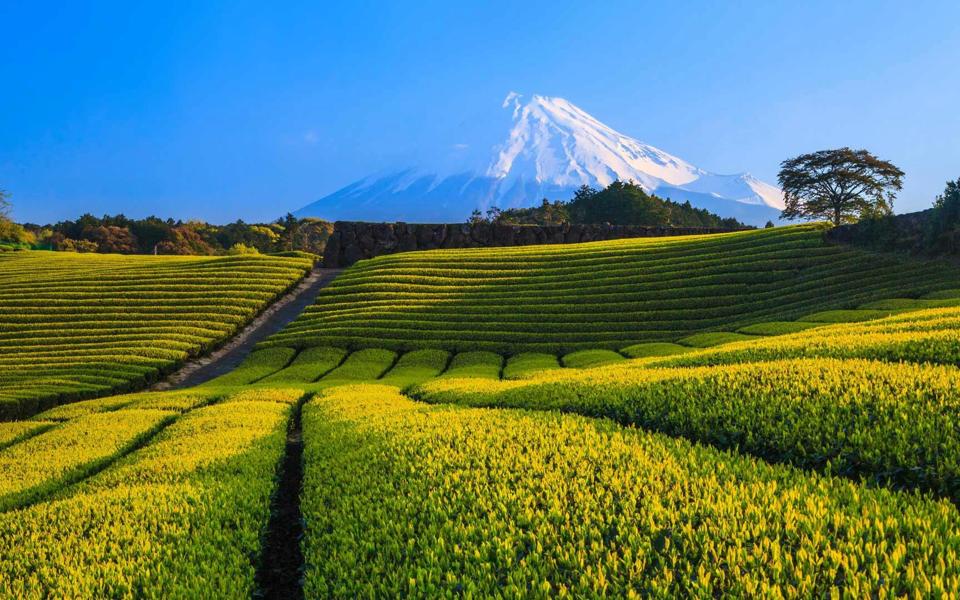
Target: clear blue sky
column 250, row 109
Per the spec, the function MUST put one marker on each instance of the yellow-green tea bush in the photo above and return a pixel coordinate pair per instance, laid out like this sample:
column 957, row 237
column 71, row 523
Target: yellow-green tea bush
column 181, row 517
column 925, row 336
column 892, row 423
column 179, row 401
column 402, row 499
column 65, row 412
column 16, row 431
column 281, row 395
column 44, row 463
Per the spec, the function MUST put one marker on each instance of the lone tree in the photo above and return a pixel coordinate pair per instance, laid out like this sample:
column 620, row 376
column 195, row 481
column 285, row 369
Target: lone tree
column 841, row 185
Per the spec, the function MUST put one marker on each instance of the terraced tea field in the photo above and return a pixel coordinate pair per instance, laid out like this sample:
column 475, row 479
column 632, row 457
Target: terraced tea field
column 80, row 325
column 602, row 295
column 805, row 443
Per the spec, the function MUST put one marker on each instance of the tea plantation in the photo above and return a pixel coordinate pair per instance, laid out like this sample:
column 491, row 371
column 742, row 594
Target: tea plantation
column 757, row 414
column 80, row 325
column 597, row 295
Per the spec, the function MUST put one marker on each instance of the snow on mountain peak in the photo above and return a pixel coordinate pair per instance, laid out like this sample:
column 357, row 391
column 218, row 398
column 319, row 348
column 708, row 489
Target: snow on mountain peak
column 553, row 140
column 552, row 147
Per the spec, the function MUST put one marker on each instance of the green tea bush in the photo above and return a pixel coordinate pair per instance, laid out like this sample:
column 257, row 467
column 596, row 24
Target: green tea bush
column 712, row 338
column 526, row 363
column 486, row 365
column 309, row 366
column 416, row 367
column 76, row 326
column 362, row 365
column 256, row 366
column 777, row 327
column 590, row 358
column 651, row 349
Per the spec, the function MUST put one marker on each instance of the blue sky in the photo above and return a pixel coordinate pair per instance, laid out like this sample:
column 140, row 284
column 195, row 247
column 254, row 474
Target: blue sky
column 250, row 109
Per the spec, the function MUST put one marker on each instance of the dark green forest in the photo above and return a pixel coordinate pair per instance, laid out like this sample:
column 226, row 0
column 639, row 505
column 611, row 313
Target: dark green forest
column 620, row 203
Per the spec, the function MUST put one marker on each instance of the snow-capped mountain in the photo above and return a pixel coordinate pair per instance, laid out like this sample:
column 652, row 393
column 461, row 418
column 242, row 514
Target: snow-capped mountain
column 552, row 147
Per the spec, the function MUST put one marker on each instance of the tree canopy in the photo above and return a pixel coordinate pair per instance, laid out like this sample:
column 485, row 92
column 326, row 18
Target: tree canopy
column 620, row 203
column 120, row 234
column 943, row 233
column 842, row 185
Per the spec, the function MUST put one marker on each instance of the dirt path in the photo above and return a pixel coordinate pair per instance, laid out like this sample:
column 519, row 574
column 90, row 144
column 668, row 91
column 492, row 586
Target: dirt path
column 273, row 319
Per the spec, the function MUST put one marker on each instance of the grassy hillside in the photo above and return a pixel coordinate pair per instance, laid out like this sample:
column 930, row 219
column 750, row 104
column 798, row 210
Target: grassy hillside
column 76, row 325
column 601, row 295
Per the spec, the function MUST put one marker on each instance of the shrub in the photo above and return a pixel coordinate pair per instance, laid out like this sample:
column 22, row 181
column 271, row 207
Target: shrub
column 240, row 248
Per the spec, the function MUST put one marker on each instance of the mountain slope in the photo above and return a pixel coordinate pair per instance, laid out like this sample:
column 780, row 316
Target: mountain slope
column 552, row 148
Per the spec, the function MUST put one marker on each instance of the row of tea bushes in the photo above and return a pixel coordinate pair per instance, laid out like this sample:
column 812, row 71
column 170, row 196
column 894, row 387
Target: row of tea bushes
column 892, row 423
column 404, row 499
column 73, row 326
column 923, row 336
column 920, row 335
column 602, row 295
column 180, row 517
column 44, row 463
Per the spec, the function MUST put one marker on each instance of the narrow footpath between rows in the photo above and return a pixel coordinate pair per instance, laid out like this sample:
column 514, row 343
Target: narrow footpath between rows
column 273, row 319
column 280, row 572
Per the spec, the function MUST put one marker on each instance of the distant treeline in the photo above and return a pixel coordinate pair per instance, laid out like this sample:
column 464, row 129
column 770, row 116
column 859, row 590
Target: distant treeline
column 152, row 235
column 620, row 203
